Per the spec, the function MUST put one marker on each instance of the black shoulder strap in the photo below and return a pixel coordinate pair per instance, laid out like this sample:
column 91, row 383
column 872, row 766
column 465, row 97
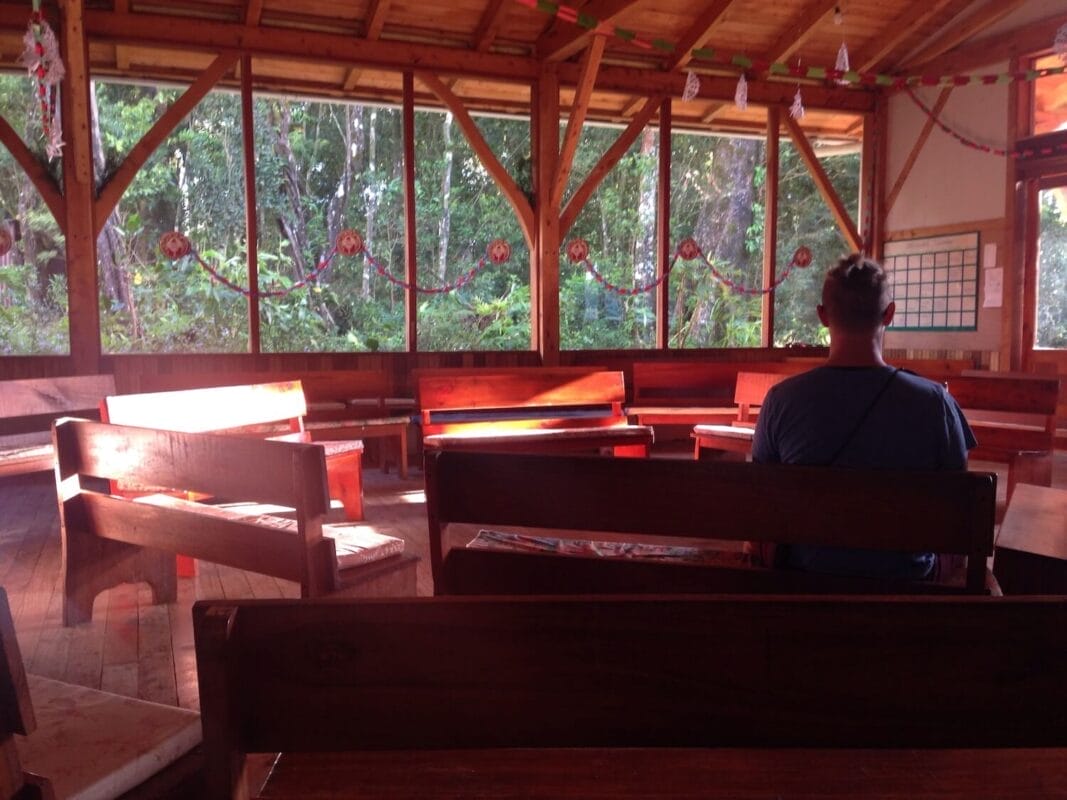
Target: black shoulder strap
column 863, row 418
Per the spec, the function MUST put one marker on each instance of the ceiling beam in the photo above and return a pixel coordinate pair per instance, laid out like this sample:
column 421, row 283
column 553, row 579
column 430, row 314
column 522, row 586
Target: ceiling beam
column 1033, row 37
column 898, row 31
column 489, row 24
column 800, row 29
column 112, row 191
column 512, row 193
column 993, row 11
column 607, row 161
column 699, row 33
column 161, row 30
column 253, row 12
column 822, row 182
column 563, row 41
column 576, row 118
column 376, row 18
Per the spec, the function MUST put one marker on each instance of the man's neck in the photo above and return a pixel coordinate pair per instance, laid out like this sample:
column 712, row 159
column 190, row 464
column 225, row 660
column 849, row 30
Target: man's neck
column 855, row 350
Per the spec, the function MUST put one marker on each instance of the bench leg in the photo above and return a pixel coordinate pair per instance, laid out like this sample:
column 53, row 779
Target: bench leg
column 402, row 456
column 345, row 476
column 92, row 565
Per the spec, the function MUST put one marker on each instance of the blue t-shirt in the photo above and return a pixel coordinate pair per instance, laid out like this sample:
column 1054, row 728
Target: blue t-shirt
column 915, row 424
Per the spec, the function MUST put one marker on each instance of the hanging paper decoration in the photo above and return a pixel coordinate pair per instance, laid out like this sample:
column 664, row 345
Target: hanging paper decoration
column 40, row 56
column 692, row 86
column 499, row 251
column 839, row 18
column 842, row 62
column 174, row 245
column 578, row 250
column 802, row 257
column 6, row 240
column 349, row 242
column 1059, row 44
column 741, row 94
column 796, row 111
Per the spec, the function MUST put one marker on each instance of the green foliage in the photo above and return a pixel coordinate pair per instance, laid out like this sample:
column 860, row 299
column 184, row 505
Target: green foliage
column 1051, row 322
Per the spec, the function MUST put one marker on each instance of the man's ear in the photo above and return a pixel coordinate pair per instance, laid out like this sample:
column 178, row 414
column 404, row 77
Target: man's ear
column 887, row 315
column 821, row 311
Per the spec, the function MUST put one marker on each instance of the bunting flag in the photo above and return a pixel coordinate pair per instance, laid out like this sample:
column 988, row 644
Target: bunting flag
column 741, row 93
column 692, row 86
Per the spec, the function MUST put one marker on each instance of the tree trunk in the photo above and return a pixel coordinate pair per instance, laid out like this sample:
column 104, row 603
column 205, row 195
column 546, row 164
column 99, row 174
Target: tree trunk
column 373, row 198
column 445, row 223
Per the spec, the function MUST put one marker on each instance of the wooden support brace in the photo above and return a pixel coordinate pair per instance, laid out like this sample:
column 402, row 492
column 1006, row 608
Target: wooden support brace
column 590, row 65
column 920, row 142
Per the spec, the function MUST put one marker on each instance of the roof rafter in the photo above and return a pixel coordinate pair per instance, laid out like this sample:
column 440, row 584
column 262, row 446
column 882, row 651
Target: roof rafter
column 698, row 33
column 800, row 29
column 489, row 24
column 950, row 37
column 372, row 30
column 576, row 119
column 561, row 42
column 253, row 12
column 897, row 32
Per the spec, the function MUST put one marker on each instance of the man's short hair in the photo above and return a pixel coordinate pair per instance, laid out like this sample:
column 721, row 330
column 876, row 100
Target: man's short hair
column 855, row 293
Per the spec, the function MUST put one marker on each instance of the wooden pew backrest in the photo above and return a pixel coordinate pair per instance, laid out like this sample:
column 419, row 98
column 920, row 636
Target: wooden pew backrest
column 751, row 389
column 523, row 398
column 944, row 512
column 757, row 671
column 701, row 383
column 28, row 408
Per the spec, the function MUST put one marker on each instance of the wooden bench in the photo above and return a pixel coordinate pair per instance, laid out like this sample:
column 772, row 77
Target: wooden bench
column 697, row 392
column 1013, row 417
column 62, row 740
column 263, row 409
column 645, row 500
column 529, row 410
column 109, row 539
column 27, row 409
column 752, row 388
column 341, row 404
column 720, row 697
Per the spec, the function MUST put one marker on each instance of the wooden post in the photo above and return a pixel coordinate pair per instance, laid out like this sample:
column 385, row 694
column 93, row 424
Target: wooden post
column 548, row 238
column 770, row 224
column 82, row 289
column 410, row 251
column 663, row 227
column 251, row 219
column 1021, row 215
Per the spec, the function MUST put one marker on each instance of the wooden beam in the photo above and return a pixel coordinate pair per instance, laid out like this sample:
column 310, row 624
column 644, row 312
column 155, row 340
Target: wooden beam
column 248, row 140
column 36, row 171
column 1034, row 37
column 411, row 254
column 903, row 26
column 698, row 34
column 800, row 29
column 253, row 12
column 563, row 41
column 146, row 29
column 663, row 227
column 920, row 142
column 576, row 118
column 490, row 23
column 83, row 291
column 115, row 187
column 549, row 232
column 993, row 11
column 607, row 161
column 770, row 224
column 823, row 184
column 376, row 19
column 512, row 192
column 714, row 111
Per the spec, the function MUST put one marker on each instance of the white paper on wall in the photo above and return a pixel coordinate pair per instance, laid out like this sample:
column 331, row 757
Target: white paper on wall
column 989, row 256
column 993, row 290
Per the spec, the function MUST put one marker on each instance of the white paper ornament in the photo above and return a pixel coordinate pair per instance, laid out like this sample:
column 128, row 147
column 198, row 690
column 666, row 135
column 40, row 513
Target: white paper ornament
column 839, row 18
column 842, row 62
column 796, row 111
column 1059, row 44
column 741, row 94
column 692, row 86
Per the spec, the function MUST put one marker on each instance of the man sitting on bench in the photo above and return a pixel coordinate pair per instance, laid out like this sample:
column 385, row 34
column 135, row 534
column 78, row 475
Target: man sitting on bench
column 856, row 411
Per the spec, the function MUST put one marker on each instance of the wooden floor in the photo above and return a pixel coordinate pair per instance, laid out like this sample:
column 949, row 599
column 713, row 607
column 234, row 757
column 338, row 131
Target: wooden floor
column 132, row 647
column 142, row 650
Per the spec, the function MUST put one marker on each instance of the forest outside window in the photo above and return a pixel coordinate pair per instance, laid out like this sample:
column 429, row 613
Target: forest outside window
column 33, row 264
column 192, row 183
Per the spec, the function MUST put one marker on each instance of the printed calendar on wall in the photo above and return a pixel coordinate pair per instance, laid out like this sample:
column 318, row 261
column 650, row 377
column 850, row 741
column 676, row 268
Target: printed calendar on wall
column 935, row 282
